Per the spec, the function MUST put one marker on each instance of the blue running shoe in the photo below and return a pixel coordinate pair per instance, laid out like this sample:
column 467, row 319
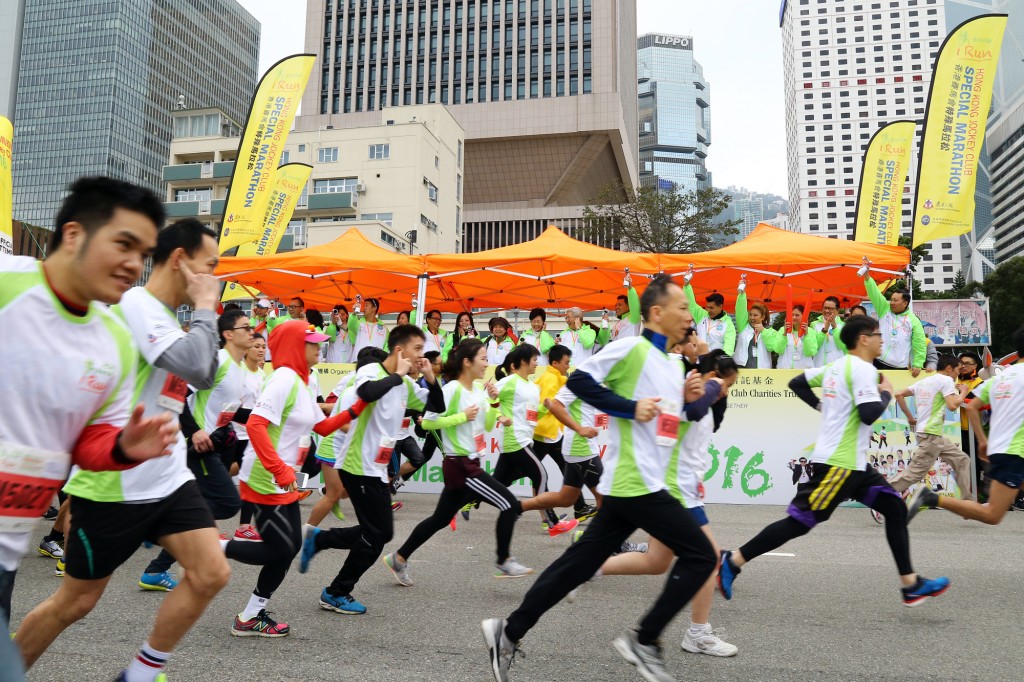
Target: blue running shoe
column 309, row 549
column 925, row 588
column 344, row 604
column 727, row 572
column 158, row 582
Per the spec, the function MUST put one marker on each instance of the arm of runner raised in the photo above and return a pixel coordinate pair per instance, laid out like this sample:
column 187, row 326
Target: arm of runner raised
column 371, row 391
column 633, row 299
column 604, row 399
column 259, row 437
column 193, row 357
column 742, row 316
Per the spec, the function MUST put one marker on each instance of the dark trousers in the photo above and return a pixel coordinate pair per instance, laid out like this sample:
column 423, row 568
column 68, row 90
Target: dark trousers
column 371, row 499
column 429, row 448
column 217, row 489
column 524, row 462
column 554, row 451
column 10, row 660
column 659, row 514
column 483, row 487
column 280, row 526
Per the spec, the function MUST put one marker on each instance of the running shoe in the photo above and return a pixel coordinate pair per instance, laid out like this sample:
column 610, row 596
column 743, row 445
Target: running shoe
column 562, row 527
column 925, row 588
column 123, row 677
column 879, row 519
column 51, row 548
column 398, row 569
column 344, row 604
column 395, row 506
column 59, row 570
column 922, row 497
column 452, row 523
column 727, row 572
column 512, row 569
column 501, row 650
column 628, row 546
column 247, row 533
column 546, row 525
column 158, row 582
column 707, row 642
column 467, row 508
column 338, row 513
column 260, row 626
column 309, row 549
column 577, row 535
column 586, row 512
column 396, row 484
column 303, row 494
column 647, row 658
column 51, row 513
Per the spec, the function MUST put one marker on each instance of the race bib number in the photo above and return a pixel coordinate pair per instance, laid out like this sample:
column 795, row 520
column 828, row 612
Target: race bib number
column 172, row 395
column 601, row 421
column 667, row 425
column 406, row 421
column 304, row 444
column 531, row 415
column 479, row 441
column 29, row 477
column 385, row 450
column 227, row 413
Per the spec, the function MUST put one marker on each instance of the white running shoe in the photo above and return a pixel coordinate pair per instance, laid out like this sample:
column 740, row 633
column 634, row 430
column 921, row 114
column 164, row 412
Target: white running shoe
column 501, row 650
column 647, row 658
column 399, row 570
column 707, row 642
column 512, row 569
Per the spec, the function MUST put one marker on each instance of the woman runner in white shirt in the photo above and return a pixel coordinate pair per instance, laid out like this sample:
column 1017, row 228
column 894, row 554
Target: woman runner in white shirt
column 470, row 412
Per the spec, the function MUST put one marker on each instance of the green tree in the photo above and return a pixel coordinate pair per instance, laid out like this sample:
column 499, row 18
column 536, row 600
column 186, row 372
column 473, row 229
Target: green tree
column 1005, row 290
column 654, row 221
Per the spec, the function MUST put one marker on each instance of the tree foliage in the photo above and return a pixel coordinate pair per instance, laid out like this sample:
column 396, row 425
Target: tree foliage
column 1005, row 290
column 654, row 221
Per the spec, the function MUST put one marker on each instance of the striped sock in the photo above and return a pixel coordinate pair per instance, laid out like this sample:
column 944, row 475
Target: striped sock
column 147, row 665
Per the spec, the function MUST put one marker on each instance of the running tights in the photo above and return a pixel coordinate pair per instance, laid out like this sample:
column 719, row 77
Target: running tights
column 280, row 526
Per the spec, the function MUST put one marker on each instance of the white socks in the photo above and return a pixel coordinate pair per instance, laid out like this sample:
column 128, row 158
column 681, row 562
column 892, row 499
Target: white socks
column 699, row 628
column 147, row 665
column 253, row 608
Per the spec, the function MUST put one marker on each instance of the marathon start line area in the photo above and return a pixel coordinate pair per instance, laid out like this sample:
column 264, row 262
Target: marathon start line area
column 754, row 457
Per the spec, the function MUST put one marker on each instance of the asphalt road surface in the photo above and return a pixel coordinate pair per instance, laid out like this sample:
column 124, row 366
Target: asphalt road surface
column 826, row 608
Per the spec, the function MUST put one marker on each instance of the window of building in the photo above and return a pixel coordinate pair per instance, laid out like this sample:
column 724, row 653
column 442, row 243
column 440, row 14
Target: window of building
column 380, row 151
column 327, row 155
column 431, row 190
column 428, row 223
column 334, row 185
column 194, row 194
column 386, row 218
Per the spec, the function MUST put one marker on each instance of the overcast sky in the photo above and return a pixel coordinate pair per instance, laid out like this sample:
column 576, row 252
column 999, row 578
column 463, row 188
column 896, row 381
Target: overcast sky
column 738, row 43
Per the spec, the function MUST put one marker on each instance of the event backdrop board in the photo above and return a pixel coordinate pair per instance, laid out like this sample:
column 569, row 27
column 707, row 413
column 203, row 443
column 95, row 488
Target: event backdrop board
column 755, row 457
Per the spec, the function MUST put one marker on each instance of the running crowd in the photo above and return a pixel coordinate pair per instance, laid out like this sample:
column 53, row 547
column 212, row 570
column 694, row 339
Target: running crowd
column 161, row 433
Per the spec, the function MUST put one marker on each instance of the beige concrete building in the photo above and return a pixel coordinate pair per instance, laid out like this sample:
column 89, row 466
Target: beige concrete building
column 398, row 179
column 546, row 91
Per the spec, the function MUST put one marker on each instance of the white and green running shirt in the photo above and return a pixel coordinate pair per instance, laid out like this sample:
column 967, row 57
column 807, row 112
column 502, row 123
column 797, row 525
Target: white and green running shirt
column 1005, row 393
column 285, row 402
column 154, row 328
column 638, row 453
column 519, row 400
column 215, row 407
column 576, row 448
column 371, row 438
column 62, row 373
column 330, row 446
column 459, row 437
column 845, row 384
column 252, row 384
column 930, row 401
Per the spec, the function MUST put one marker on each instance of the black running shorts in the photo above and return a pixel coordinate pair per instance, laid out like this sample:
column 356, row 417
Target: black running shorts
column 104, row 535
column 585, row 473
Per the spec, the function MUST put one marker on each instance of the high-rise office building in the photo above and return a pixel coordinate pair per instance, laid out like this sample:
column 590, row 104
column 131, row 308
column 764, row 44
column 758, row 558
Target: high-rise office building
column 11, row 12
column 97, row 83
column 674, row 113
column 544, row 89
column 850, row 67
column 749, row 210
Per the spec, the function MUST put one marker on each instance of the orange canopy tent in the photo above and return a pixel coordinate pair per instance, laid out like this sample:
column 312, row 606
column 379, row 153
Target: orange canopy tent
column 551, row 271
column 773, row 258
column 330, row 273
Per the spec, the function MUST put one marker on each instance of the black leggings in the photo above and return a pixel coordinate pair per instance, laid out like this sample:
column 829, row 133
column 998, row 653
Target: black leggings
column 483, row 487
column 280, row 526
column 525, row 462
column 554, row 451
column 890, row 506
